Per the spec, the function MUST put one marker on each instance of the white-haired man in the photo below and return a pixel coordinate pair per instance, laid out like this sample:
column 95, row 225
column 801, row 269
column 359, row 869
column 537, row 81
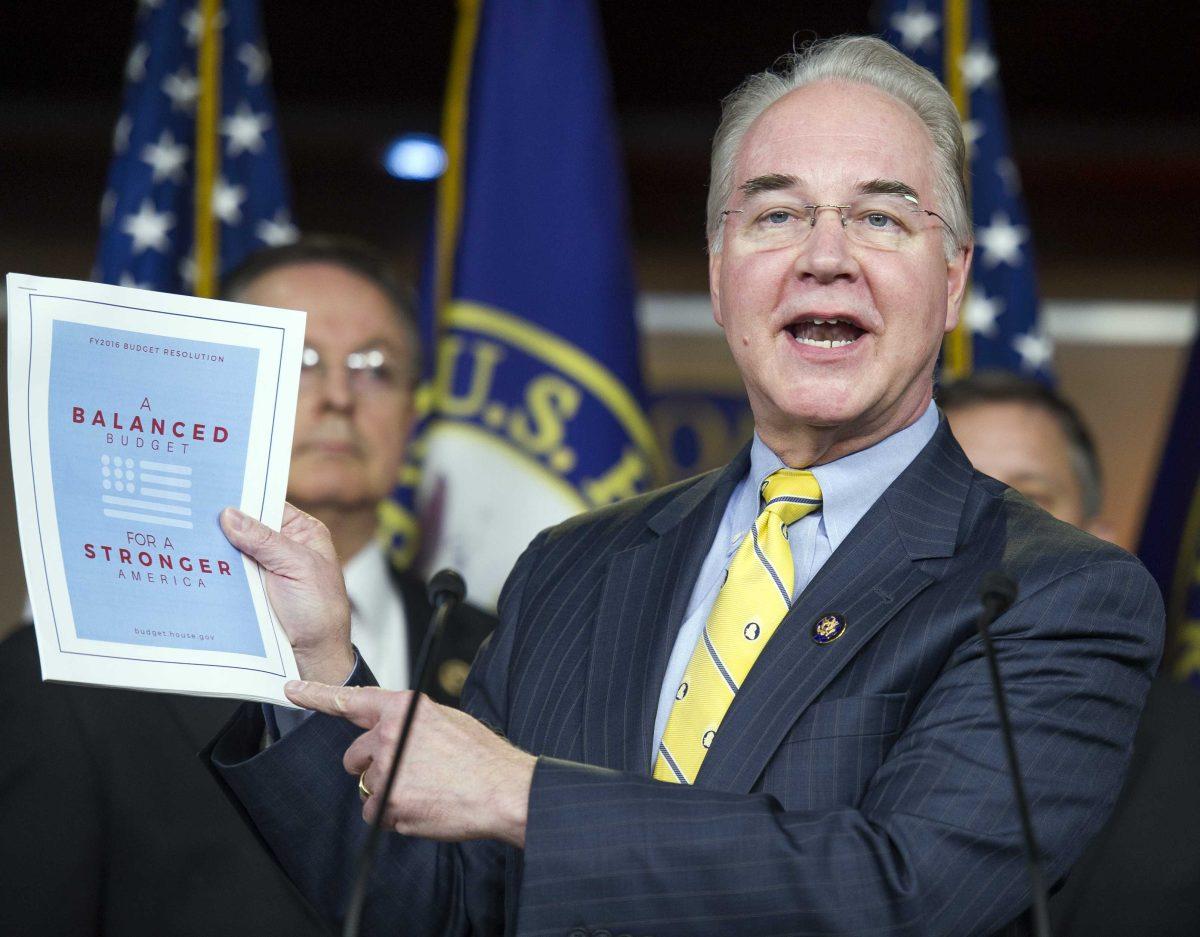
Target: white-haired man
column 755, row 702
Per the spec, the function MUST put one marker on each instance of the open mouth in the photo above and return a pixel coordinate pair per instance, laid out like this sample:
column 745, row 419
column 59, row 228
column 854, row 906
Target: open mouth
column 825, row 333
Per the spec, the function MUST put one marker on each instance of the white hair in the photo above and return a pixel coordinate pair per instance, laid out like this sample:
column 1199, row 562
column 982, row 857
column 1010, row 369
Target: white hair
column 863, row 60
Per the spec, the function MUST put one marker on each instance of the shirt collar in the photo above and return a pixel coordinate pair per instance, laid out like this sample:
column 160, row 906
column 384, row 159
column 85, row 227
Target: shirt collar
column 369, row 586
column 851, row 484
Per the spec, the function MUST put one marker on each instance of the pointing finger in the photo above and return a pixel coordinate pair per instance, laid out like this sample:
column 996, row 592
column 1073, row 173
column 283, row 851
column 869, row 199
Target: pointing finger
column 361, row 705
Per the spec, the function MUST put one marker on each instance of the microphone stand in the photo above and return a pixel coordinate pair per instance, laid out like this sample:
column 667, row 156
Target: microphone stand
column 998, row 592
column 446, row 590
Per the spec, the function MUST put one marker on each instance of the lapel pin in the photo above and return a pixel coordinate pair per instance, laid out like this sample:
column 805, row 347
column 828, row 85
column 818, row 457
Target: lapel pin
column 829, row 628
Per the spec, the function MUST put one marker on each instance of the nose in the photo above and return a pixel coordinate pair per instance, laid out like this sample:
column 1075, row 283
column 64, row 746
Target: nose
column 826, row 255
column 333, row 384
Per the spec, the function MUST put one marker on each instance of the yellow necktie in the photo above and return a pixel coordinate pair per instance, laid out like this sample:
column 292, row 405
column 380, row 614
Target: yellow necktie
column 756, row 595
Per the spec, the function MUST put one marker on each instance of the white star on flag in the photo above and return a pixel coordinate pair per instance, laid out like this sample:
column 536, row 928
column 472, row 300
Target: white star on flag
column 1006, row 169
column 977, row 65
column 277, row 231
column 127, row 279
column 121, row 133
column 916, row 27
column 108, row 204
column 187, row 270
column 135, row 65
column 245, row 130
column 227, row 201
column 148, row 228
column 1001, row 241
column 166, row 158
column 256, row 60
column 981, row 312
column 193, row 24
column 145, row 6
column 1036, row 350
column 182, row 88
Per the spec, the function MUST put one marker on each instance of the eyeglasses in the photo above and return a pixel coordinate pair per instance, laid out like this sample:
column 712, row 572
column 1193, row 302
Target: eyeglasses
column 371, row 371
column 882, row 222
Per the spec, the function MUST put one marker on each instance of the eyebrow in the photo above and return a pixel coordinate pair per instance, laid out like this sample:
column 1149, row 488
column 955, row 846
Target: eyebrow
column 771, row 182
column 887, row 187
column 778, row 181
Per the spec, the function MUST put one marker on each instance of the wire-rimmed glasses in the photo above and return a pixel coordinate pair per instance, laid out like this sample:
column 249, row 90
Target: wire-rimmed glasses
column 879, row 221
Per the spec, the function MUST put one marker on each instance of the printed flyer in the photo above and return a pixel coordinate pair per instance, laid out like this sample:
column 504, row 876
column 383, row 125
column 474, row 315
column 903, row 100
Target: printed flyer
column 135, row 417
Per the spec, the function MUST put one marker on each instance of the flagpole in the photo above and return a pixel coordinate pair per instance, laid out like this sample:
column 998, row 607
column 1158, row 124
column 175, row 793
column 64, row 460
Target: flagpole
column 454, row 131
column 956, row 358
column 208, row 107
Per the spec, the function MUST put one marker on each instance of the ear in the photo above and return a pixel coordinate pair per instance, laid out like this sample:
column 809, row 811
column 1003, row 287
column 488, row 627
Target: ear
column 958, row 274
column 714, row 284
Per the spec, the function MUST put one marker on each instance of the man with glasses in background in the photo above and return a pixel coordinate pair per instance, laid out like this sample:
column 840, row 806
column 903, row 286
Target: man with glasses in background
column 111, row 823
column 754, row 702
column 360, row 368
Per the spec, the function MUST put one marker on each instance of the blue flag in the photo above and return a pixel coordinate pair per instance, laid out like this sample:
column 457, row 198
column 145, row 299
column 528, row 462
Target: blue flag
column 1170, row 545
column 534, row 412
column 197, row 127
column 1000, row 327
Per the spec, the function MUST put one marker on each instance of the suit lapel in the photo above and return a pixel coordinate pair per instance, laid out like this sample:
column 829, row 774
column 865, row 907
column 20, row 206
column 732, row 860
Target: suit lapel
column 638, row 620
column 878, row 569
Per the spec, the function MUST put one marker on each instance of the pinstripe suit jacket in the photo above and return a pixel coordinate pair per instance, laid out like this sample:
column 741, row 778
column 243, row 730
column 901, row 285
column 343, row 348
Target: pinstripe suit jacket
column 854, row 788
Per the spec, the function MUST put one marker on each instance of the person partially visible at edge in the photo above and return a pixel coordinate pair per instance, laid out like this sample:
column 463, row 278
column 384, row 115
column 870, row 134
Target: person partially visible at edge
column 754, row 702
column 1141, row 874
column 1027, row 435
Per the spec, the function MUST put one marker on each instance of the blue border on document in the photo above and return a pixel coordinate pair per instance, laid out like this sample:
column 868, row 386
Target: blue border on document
column 33, row 479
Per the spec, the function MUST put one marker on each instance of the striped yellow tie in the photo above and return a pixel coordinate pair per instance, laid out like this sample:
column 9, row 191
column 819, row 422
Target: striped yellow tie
column 756, row 595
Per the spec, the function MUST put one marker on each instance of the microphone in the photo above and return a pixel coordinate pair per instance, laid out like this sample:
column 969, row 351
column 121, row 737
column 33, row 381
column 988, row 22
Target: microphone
column 446, row 589
column 446, row 585
column 997, row 592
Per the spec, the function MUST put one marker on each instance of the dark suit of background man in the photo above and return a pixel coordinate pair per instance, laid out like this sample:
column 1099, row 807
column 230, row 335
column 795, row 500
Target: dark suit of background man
column 1141, row 874
column 111, row 825
column 856, row 784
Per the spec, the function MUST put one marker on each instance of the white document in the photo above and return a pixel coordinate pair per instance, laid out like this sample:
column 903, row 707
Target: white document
column 135, row 417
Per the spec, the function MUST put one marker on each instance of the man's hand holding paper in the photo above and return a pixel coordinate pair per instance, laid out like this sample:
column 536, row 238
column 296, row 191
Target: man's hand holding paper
column 305, row 587
column 459, row 780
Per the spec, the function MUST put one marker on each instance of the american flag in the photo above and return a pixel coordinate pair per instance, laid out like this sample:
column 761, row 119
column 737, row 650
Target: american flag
column 531, row 136
column 197, row 127
column 145, row 491
column 1000, row 327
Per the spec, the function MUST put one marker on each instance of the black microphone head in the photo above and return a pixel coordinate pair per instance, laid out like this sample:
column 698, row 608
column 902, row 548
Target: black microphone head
column 998, row 590
column 446, row 584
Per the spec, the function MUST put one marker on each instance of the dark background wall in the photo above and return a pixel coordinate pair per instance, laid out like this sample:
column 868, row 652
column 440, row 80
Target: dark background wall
column 1102, row 100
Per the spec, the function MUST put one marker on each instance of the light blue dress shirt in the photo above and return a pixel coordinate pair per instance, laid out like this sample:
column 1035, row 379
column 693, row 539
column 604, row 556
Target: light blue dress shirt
column 849, row 486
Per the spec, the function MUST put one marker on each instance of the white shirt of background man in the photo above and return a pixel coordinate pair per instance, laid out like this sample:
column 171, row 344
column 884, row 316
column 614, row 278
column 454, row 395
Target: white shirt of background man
column 378, row 625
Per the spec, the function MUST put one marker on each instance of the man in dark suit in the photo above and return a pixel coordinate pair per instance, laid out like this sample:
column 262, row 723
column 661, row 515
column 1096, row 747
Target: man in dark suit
column 1141, row 874
column 111, row 824
column 754, row 702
